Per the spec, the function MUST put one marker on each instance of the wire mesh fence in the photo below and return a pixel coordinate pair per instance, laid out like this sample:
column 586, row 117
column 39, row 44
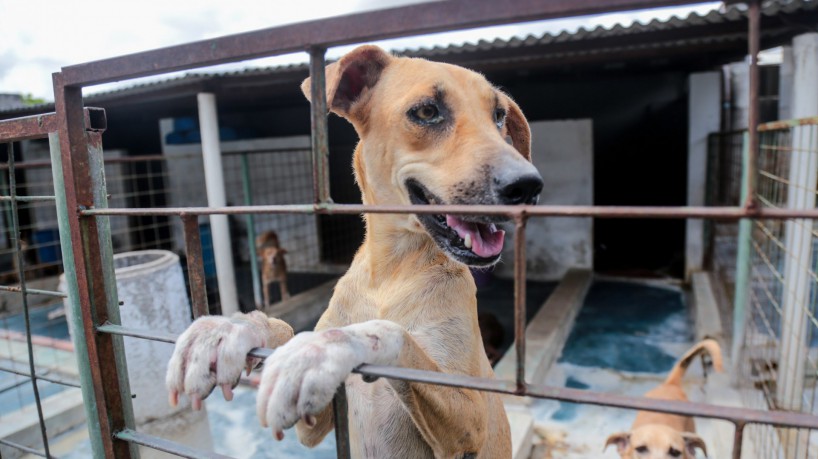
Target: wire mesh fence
column 781, row 343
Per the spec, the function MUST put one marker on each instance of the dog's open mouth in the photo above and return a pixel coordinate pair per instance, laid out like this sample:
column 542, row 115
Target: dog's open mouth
column 475, row 241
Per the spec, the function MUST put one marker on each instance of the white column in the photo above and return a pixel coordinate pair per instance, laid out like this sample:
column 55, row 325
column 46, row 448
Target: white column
column 740, row 82
column 214, row 182
column 785, row 82
column 803, row 178
column 704, row 117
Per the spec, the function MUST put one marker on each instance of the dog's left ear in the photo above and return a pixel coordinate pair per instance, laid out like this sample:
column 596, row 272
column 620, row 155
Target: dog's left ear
column 622, row 440
column 693, row 441
column 517, row 129
column 349, row 79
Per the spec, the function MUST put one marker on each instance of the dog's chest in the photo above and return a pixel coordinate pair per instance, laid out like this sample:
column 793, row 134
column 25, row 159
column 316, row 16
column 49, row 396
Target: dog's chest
column 379, row 426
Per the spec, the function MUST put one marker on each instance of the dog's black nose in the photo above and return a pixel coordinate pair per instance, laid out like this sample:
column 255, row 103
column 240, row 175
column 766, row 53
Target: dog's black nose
column 522, row 190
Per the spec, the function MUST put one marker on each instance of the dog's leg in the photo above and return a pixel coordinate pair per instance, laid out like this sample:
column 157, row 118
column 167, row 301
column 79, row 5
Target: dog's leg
column 265, row 291
column 213, row 351
column 300, row 379
column 282, row 285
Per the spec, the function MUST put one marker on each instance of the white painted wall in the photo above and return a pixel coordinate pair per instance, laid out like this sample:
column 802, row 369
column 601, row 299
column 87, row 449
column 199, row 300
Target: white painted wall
column 563, row 153
column 704, row 117
column 785, row 82
column 740, row 82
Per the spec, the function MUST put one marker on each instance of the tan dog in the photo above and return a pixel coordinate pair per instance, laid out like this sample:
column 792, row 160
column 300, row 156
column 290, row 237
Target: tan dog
column 430, row 133
column 661, row 435
column 273, row 265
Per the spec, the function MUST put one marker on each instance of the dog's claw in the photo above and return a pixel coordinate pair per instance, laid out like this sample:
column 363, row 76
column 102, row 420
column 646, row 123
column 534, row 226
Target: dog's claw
column 227, row 391
column 173, row 398
column 249, row 368
column 279, row 435
column 196, row 402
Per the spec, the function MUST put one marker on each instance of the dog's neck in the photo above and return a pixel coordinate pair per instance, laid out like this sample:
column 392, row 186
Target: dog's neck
column 391, row 248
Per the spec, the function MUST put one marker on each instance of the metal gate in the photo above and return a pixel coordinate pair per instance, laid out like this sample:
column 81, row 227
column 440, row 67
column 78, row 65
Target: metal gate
column 75, row 136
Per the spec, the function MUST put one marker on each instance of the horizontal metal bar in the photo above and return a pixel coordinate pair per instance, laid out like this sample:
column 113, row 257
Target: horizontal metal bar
column 777, row 418
column 167, row 446
column 51, row 379
column 33, row 451
column 27, row 198
column 38, row 126
column 786, row 124
column 357, row 28
column 721, row 213
column 32, row 291
column 145, row 334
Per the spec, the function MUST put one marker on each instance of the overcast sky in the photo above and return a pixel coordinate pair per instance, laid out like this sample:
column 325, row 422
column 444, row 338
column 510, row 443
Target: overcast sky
column 37, row 37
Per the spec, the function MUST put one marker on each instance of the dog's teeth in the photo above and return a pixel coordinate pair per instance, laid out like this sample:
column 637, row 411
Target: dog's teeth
column 467, row 241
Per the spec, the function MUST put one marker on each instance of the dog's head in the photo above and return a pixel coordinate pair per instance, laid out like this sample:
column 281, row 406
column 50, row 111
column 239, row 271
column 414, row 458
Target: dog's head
column 434, row 133
column 655, row 441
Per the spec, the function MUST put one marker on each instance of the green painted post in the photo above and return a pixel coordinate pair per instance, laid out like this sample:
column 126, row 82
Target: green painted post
column 743, row 248
column 251, row 231
column 75, row 317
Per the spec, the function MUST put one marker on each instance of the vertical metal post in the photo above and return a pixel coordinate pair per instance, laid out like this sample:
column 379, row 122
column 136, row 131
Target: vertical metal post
column 743, row 260
column 318, row 116
column 519, row 299
column 93, row 281
column 247, row 187
column 195, row 266
column 18, row 249
column 340, row 411
column 753, row 39
column 738, row 439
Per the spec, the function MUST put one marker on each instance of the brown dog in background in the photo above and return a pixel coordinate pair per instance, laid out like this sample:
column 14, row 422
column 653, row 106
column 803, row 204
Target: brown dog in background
column 273, row 265
column 661, row 435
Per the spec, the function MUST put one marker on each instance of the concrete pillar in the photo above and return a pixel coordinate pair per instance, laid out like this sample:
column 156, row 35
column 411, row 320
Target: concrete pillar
column 704, row 117
column 785, row 82
column 803, row 179
column 740, row 82
column 216, row 197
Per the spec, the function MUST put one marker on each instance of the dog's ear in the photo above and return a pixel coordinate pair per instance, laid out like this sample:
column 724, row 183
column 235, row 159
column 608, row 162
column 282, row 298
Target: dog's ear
column 517, row 129
column 349, row 78
column 622, row 440
column 693, row 441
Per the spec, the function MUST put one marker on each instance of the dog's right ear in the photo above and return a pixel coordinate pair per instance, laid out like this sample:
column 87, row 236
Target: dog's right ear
column 349, row 79
column 622, row 440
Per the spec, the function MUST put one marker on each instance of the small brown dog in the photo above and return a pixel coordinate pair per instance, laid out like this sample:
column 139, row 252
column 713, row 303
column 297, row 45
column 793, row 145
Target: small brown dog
column 661, row 435
column 273, row 265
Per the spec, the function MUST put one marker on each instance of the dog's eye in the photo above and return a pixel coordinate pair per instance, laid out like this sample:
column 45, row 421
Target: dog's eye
column 499, row 117
column 642, row 449
column 674, row 452
column 428, row 114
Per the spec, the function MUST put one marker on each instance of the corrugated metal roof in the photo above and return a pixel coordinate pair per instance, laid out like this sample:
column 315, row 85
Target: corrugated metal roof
column 732, row 14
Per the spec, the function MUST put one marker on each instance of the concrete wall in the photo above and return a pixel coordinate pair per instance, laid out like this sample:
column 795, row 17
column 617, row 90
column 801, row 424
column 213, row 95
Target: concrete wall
column 563, row 153
column 704, row 117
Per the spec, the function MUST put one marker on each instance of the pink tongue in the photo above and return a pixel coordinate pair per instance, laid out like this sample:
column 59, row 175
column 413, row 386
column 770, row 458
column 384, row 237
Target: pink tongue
column 486, row 239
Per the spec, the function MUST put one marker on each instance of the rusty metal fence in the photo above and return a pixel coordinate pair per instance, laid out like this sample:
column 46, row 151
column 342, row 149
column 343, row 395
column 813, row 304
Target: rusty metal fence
column 84, row 215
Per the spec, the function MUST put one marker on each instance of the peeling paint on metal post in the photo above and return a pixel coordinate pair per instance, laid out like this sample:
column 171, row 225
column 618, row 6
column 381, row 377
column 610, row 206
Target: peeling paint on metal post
column 318, row 116
column 90, row 241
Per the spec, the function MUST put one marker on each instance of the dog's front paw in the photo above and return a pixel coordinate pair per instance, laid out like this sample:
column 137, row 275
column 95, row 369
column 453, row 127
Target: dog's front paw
column 213, row 351
column 301, row 377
